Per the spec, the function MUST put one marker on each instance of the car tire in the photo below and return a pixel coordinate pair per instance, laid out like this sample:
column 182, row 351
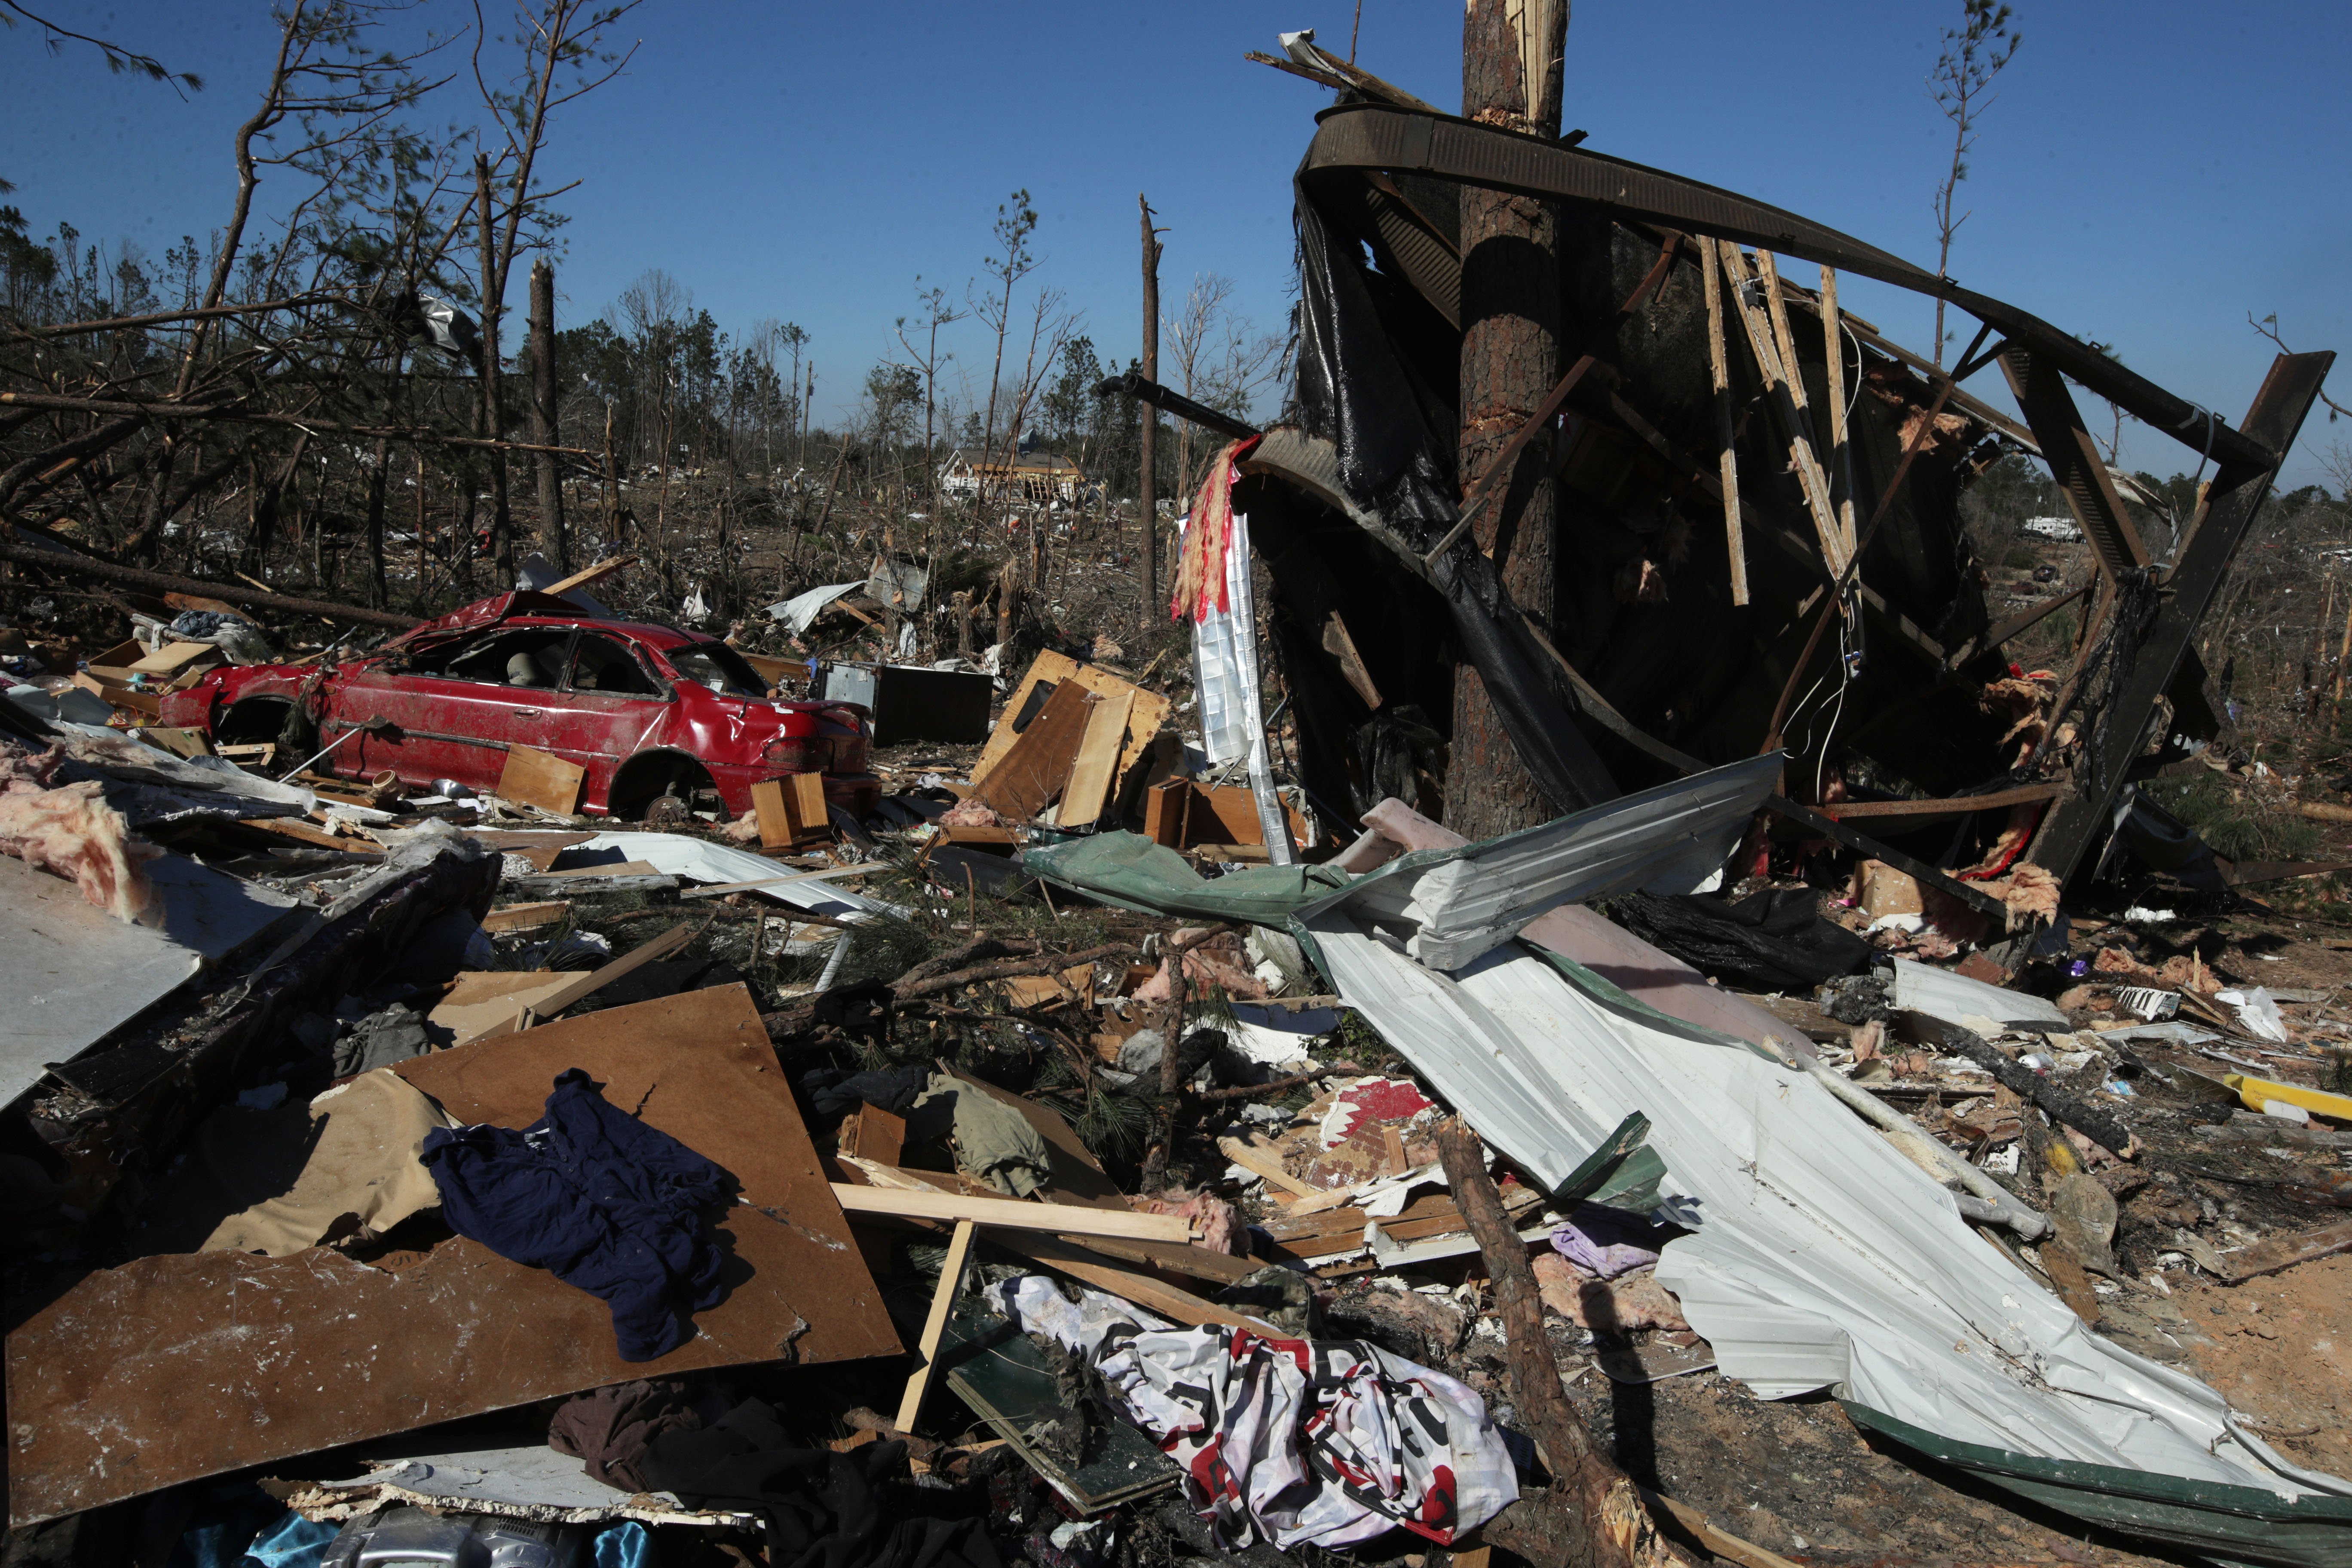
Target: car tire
column 643, row 782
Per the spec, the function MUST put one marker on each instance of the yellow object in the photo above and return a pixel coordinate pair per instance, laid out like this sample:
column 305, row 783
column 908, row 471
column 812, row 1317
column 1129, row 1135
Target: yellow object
column 2255, row 1090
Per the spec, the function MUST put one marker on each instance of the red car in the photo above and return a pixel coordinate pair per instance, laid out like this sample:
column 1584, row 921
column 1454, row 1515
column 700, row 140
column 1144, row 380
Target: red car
column 664, row 720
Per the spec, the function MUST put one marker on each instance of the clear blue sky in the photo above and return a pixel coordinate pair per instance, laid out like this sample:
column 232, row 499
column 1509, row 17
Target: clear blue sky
column 2151, row 172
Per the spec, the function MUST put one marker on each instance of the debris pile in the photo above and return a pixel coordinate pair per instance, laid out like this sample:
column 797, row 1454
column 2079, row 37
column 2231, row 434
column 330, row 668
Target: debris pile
column 545, row 1086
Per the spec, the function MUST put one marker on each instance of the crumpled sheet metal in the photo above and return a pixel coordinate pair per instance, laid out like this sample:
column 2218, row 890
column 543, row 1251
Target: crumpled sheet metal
column 801, row 609
column 1821, row 1257
column 698, row 860
column 268, row 1358
column 1458, row 903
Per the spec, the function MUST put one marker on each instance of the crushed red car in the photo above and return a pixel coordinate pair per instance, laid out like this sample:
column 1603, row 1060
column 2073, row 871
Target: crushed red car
column 664, row 720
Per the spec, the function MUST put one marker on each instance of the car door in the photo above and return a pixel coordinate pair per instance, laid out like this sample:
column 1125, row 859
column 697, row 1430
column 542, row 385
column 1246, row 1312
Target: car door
column 609, row 702
column 454, row 709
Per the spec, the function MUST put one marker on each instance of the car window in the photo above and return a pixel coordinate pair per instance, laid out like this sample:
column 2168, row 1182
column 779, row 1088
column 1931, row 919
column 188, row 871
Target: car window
column 525, row 655
column 718, row 667
column 600, row 664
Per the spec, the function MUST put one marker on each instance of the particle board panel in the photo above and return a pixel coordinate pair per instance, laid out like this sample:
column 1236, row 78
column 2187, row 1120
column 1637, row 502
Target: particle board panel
column 542, row 779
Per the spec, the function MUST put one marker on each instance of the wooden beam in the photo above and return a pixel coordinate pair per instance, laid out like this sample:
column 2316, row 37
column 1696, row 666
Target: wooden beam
column 1152, row 1295
column 1956, row 805
column 1095, row 770
column 522, row 917
column 1250, row 1157
column 1013, row 1213
column 1841, row 453
column 910, row 1404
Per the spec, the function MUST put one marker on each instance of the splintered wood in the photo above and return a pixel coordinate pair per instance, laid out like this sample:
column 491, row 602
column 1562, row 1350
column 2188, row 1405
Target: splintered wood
column 542, row 779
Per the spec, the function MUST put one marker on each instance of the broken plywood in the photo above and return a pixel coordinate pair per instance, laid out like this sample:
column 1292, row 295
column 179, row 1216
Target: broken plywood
column 542, row 779
column 271, row 1358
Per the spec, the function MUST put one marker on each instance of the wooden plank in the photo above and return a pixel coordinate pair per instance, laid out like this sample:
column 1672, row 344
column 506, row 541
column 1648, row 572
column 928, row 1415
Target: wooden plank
column 596, row 573
column 542, row 779
column 522, row 917
column 910, row 1404
column 1956, row 805
column 1095, row 769
column 497, row 984
column 1013, row 1213
column 563, row 996
column 1147, row 719
column 303, row 832
column 775, row 817
column 1176, row 1305
column 1261, row 1159
column 1727, row 454
column 1035, row 770
column 173, row 658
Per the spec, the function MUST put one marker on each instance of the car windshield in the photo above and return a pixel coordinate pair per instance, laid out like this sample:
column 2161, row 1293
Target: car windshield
column 718, row 667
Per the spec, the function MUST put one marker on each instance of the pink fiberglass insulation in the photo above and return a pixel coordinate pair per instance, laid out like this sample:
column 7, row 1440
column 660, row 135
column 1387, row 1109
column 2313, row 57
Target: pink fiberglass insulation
column 71, row 832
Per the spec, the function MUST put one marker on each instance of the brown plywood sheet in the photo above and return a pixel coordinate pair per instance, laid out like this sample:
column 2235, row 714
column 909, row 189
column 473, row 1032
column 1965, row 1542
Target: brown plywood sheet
column 542, row 779
column 1036, row 767
column 1150, row 715
column 270, row 1358
column 173, row 1368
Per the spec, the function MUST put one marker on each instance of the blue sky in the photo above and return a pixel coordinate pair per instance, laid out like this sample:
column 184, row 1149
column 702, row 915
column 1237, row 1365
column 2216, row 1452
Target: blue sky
column 2150, row 173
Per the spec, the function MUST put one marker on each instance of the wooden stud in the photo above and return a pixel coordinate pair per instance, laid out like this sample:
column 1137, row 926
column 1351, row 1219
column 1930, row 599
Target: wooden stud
column 522, row 917
column 556, row 1001
column 910, row 1404
column 1727, row 456
column 1758, row 332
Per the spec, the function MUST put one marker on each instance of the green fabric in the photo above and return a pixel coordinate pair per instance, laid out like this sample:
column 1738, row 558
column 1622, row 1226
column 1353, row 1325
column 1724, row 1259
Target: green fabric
column 1132, row 872
column 993, row 1141
column 2238, row 1523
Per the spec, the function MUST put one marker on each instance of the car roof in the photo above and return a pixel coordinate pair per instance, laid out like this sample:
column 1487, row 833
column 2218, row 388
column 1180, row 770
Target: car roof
column 525, row 608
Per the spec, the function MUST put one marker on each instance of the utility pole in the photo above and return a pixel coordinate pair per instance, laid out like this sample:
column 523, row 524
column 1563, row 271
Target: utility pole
column 1147, row 485
column 1510, row 360
column 543, row 423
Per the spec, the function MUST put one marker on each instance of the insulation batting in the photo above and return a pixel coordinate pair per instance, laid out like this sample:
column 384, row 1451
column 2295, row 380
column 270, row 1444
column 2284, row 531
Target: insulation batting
column 71, row 832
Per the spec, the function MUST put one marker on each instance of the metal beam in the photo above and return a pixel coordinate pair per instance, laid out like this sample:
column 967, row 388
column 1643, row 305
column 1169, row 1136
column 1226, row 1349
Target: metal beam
column 1361, row 137
column 2231, row 502
column 2075, row 461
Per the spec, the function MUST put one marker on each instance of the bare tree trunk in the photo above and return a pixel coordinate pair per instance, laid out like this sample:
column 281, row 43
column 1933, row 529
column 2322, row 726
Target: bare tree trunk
column 1147, row 484
column 493, row 412
column 1510, row 360
column 552, row 534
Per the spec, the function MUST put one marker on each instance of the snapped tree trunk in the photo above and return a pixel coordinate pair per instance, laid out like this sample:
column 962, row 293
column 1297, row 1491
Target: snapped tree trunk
column 1510, row 360
column 553, row 534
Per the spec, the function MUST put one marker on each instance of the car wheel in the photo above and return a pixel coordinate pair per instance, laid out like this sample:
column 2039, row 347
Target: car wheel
column 645, row 783
column 667, row 811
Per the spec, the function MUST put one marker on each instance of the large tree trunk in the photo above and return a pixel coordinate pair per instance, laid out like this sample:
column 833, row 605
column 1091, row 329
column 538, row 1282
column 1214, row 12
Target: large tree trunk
column 552, row 534
column 1510, row 360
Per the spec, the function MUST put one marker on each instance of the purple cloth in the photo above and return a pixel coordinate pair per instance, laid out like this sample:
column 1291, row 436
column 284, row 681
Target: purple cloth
column 1606, row 1242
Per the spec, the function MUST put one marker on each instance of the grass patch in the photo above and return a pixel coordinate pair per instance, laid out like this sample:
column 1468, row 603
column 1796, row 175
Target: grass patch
column 2234, row 820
